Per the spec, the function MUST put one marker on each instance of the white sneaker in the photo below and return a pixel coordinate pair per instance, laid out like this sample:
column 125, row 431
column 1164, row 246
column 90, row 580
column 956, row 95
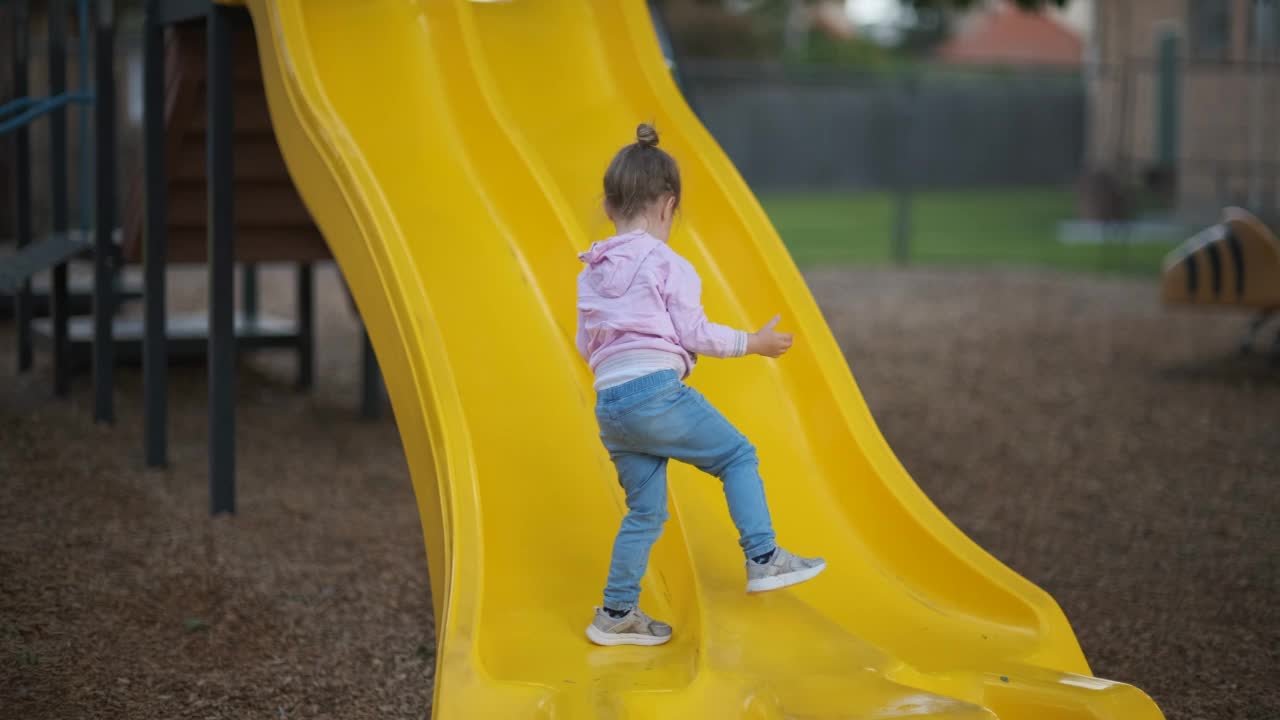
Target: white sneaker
column 634, row 628
column 783, row 569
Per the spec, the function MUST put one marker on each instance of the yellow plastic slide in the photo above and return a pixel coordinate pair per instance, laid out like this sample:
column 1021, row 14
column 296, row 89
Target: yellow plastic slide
column 451, row 152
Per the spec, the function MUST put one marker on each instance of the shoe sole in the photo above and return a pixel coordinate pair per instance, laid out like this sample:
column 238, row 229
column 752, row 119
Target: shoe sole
column 777, row 582
column 600, row 637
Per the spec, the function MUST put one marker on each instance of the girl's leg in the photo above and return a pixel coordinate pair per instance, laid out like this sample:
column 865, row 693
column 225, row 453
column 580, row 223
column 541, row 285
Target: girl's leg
column 686, row 427
column 644, row 478
column 744, row 492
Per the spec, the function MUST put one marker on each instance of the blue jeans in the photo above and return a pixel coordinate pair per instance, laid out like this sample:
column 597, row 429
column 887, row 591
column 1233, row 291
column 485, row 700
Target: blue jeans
column 646, row 422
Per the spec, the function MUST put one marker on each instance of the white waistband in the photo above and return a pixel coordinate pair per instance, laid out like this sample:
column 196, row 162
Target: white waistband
column 627, row 366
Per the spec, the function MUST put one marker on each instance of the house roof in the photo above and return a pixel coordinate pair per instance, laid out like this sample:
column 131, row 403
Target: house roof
column 1007, row 35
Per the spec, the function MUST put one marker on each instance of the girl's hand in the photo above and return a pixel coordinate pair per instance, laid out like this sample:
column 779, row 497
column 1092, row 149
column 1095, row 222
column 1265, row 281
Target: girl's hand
column 767, row 341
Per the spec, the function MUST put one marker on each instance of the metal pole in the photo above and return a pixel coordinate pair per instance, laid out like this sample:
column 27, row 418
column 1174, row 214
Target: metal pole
column 105, row 156
column 22, row 179
column 86, row 161
column 906, row 170
column 222, row 340
column 1167, row 101
column 249, row 289
column 1118, row 109
column 58, row 190
column 306, row 325
column 1264, row 22
column 155, row 349
column 371, row 382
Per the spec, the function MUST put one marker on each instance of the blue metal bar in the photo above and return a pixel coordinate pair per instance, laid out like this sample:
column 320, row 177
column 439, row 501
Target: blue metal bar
column 28, row 100
column 43, row 108
column 16, row 105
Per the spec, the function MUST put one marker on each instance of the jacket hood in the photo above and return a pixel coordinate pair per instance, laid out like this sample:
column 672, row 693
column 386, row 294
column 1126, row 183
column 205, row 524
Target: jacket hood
column 612, row 265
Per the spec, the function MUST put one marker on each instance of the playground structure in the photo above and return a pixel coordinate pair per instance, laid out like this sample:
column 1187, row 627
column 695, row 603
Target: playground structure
column 167, row 201
column 1234, row 263
column 450, row 154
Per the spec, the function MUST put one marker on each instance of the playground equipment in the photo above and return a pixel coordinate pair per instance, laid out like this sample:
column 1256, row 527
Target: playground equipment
column 62, row 243
column 1234, row 263
column 450, row 152
column 448, row 146
column 166, row 204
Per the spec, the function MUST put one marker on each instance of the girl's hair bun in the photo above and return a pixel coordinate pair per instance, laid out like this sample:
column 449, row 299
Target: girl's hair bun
column 646, row 136
column 639, row 175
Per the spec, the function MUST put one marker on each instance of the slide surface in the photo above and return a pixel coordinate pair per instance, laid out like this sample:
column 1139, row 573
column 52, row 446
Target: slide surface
column 451, row 152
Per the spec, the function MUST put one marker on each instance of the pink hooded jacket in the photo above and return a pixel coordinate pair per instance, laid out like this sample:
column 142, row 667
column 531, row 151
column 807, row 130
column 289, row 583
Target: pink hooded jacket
column 637, row 294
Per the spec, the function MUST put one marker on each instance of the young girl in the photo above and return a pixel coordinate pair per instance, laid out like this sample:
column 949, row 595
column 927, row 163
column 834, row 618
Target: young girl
column 641, row 327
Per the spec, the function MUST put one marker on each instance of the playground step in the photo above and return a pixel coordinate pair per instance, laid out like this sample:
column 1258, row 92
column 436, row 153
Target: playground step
column 188, row 336
column 79, row 297
column 39, row 255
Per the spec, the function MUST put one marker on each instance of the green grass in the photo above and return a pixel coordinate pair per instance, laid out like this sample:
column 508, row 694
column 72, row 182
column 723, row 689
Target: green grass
column 969, row 227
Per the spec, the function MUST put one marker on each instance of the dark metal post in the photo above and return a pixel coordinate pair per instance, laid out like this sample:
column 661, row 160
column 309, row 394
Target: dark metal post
column 906, row 172
column 1167, row 102
column 249, row 290
column 306, row 325
column 22, row 179
column 222, row 339
column 371, row 382
column 84, row 29
column 58, row 191
column 104, row 305
column 155, row 348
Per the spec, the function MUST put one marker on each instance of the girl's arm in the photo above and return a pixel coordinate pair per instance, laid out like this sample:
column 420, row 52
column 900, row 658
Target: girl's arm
column 697, row 334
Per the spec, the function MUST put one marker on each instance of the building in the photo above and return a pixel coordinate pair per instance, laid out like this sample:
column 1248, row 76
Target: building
column 1184, row 96
column 1000, row 33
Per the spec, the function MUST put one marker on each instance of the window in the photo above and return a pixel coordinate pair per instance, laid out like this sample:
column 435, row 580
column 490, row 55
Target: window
column 1264, row 27
column 1209, row 29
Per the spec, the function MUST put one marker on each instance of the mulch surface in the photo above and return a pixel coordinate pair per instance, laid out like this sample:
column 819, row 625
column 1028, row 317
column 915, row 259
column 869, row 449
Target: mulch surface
column 1116, row 453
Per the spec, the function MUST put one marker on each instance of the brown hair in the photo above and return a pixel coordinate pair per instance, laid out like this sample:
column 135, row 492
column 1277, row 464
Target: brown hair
column 638, row 175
